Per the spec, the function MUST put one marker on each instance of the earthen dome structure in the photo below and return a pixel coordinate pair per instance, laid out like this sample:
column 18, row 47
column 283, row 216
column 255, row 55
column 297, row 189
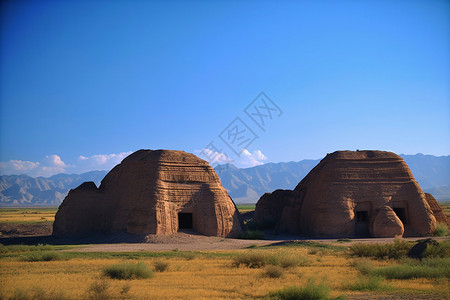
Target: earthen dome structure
column 353, row 194
column 151, row 192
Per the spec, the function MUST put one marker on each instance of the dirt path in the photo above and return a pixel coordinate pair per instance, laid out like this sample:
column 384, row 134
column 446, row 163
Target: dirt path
column 195, row 242
column 180, row 241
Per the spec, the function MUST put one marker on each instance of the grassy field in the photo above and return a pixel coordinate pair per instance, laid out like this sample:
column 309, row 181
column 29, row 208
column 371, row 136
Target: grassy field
column 446, row 207
column 32, row 271
column 27, row 215
column 245, row 207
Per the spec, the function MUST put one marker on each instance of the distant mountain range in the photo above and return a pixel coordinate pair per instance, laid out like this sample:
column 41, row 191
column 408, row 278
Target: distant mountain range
column 243, row 185
column 23, row 190
column 247, row 185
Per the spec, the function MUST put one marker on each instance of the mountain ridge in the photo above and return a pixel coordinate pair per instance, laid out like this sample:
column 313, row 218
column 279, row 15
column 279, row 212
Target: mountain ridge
column 244, row 185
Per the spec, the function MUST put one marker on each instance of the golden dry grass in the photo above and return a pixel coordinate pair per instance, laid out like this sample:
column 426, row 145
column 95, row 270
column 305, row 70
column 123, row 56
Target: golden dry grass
column 27, row 215
column 446, row 207
column 204, row 277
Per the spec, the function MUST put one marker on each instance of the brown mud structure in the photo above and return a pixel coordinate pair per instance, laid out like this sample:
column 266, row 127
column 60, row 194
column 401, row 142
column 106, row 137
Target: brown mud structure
column 151, row 192
column 353, row 194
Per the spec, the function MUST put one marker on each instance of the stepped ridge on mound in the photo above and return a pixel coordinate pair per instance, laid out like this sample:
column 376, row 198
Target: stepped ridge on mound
column 151, row 192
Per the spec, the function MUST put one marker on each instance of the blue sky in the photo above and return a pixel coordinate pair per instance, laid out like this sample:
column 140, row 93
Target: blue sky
column 84, row 83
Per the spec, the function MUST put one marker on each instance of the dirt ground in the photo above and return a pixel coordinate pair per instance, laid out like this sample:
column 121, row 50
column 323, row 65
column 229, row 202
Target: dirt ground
column 189, row 241
column 183, row 241
column 8, row 230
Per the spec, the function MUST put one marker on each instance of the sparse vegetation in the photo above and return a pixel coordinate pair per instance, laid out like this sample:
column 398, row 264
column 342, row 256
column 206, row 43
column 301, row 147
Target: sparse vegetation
column 245, row 207
column 99, row 290
column 46, row 256
column 80, row 274
column 273, row 272
column 441, row 229
column 258, row 259
column 27, row 215
column 128, row 271
column 29, row 248
column 441, row 250
column 363, row 265
column 311, row 291
column 160, row 266
column 397, row 250
column 369, row 283
column 38, row 293
column 427, row 268
column 251, row 260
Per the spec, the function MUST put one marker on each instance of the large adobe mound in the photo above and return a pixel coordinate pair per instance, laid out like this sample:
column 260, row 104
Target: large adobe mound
column 151, row 192
column 357, row 193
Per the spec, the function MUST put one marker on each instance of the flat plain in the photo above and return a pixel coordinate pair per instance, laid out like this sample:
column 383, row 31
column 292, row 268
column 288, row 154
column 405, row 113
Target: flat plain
column 339, row 268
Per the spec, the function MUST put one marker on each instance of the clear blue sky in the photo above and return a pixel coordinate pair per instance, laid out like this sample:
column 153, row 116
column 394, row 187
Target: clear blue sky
column 96, row 78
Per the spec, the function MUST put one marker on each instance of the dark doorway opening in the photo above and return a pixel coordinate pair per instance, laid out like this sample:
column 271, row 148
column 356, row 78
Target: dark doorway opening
column 362, row 223
column 401, row 214
column 362, row 216
column 184, row 220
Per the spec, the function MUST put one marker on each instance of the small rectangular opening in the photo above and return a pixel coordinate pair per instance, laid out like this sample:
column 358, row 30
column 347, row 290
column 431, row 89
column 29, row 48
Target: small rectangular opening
column 401, row 214
column 184, row 220
column 362, row 216
column 362, row 223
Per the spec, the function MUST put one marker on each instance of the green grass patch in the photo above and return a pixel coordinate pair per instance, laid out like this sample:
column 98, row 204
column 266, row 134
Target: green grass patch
column 11, row 253
column 441, row 250
column 128, row 271
column 427, row 268
column 46, row 256
column 364, row 266
column 259, row 259
column 311, row 291
column 246, row 207
column 441, row 229
column 370, row 283
column 397, row 250
column 28, row 210
column 11, row 249
column 310, row 245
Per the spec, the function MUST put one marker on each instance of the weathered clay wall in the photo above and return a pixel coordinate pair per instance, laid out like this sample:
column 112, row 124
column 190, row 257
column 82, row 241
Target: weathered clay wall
column 145, row 193
column 344, row 184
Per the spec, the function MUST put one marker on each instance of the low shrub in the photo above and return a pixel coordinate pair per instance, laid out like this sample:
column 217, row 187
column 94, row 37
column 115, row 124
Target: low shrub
column 257, row 259
column 99, row 290
column 47, row 256
column 370, row 283
column 289, row 261
column 441, row 229
column 38, row 293
column 427, row 268
column 311, row 291
column 128, row 271
column 25, row 248
column 442, row 250
column 363, row 265
column 397, row 250
column 251, row 260
column 273, row 272
column 160, row 266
